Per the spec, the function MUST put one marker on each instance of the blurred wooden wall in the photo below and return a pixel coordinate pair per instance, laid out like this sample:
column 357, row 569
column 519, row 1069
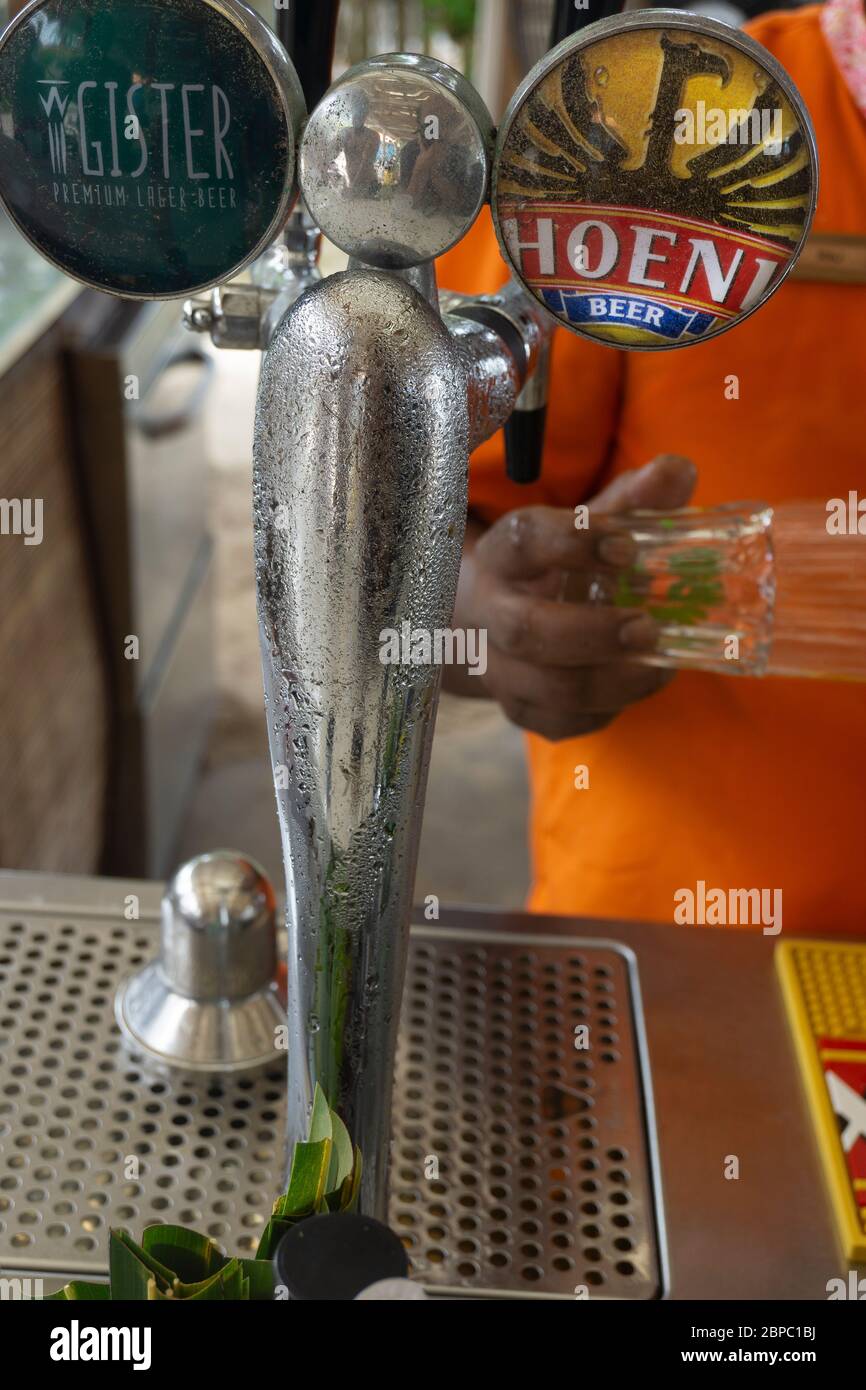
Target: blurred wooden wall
column 53, row 683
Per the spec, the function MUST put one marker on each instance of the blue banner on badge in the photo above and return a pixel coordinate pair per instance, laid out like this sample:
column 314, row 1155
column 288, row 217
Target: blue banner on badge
column 626, row 310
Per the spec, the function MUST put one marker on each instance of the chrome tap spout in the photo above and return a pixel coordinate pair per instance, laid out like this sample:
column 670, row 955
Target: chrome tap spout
column 360, row 462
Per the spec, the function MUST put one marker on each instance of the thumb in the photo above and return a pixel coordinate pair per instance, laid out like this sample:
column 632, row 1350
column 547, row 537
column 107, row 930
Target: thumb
column 665, row 484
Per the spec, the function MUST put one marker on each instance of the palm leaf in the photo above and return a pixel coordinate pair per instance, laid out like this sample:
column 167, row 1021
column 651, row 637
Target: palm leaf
column 131, row 1269
column 227, row 1285
column 320, row 1119
column 307, row 1180
column 259, row 1276
column 342, row 1156
column 354, row 1193
column 80, row 1289
column 191, row 1257
column 271, row 1237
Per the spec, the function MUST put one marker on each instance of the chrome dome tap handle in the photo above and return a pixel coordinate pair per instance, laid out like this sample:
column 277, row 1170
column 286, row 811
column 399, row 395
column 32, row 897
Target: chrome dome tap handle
column 654, row 179
column 394, row 160
column 147, row 149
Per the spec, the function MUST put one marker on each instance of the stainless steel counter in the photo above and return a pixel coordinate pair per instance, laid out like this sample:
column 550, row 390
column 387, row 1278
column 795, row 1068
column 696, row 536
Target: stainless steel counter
column 724, row 1079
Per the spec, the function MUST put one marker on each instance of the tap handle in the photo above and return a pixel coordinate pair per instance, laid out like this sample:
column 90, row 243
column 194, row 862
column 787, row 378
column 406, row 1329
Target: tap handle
column 577, row 232
column 524, row 429
column 307, row 29
column 524, row 443
column 567, row 18
column 155, row 155
column 414, row 140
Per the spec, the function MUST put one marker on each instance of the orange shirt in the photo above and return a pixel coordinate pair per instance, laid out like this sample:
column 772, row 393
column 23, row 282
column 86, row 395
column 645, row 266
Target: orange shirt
column 741, row 783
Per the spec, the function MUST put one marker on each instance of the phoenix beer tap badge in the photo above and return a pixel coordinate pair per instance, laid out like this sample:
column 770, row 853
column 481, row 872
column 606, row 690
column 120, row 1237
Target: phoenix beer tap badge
column 655, row 179
column 147, row 147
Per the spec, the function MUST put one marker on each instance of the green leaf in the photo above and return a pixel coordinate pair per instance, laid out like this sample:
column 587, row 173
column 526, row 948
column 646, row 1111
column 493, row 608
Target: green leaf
column 232, row 1278
column 78, row 1290
column 307, row 1181
column 342, row 1156
column 355, row 1188
column 631, row 588
column 155, row 1293
column 700, row 561
column 226, row 1286
column 259, row 1276
column 131, row 1269
column 271, row 1237
column 191, row 1257
column 211, row 1290
column 320, row 1119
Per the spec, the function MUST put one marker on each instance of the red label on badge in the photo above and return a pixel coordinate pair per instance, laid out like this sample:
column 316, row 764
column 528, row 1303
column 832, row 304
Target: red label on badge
column 675, row 260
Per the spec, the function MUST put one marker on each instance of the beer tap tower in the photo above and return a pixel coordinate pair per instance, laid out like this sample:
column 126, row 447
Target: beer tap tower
column 155, row 148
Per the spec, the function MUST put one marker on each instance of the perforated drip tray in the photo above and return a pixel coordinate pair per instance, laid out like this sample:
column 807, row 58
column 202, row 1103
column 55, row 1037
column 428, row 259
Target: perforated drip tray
column 523, row 1165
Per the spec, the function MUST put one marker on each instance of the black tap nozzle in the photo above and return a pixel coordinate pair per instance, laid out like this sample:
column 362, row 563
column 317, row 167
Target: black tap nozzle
column 524, row 444
column 336, row 1256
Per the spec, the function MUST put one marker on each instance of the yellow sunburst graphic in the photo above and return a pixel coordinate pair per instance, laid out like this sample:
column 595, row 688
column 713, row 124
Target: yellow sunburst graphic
column 587, row 130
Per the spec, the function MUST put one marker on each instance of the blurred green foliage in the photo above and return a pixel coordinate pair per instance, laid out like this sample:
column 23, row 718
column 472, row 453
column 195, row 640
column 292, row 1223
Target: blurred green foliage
column 456, row 17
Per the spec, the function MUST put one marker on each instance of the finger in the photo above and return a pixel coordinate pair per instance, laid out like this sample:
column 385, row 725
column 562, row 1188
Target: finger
column 580, row 690
column 623, row 683
column 533, row 540
column 554, row 725
column 546, row 633
column 535, row 701
column 662, row 485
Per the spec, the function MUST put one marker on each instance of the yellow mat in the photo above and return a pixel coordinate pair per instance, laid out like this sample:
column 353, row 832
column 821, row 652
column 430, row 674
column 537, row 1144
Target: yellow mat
column 824, row 985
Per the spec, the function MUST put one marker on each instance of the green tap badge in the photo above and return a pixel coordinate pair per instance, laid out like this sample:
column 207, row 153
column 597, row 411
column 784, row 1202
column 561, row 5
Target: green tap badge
column 147, row 147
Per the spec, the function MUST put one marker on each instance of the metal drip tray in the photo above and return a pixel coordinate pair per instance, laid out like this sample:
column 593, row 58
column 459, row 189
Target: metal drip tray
column 523, row 1166
column 545, row 1179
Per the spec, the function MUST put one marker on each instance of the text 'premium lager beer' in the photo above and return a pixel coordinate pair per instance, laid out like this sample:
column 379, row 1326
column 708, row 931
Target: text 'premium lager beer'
column 654, row 179
column 147, row 147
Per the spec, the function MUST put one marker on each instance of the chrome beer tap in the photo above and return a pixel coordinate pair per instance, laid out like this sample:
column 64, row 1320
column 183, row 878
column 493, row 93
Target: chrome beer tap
column 158, row 152
column 359, row 509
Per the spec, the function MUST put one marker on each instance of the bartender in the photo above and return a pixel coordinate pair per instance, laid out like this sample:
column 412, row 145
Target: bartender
column 700, row 779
